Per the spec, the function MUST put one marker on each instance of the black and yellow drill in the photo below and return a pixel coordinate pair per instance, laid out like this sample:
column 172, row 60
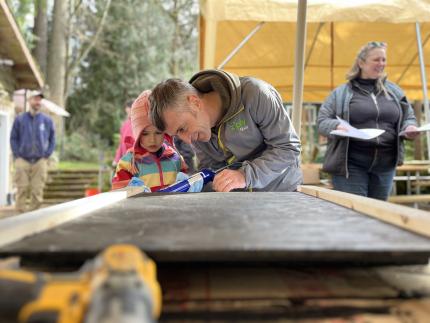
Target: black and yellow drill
column 118, row 286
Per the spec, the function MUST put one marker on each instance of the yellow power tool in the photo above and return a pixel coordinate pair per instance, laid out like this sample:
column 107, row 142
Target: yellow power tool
column 118, row 286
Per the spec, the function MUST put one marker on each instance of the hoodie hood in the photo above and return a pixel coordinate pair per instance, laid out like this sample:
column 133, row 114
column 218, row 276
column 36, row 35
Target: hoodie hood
column 224, row 83
column 139, row 116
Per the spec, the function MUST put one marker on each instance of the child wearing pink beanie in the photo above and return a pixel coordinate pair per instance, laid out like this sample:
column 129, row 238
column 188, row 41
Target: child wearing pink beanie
column 152, row 159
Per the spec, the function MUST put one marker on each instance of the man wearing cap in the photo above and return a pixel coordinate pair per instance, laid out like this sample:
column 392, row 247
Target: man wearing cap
column 33, row 141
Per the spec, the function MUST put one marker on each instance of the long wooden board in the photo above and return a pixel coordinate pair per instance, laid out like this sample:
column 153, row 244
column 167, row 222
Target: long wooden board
column 411, row 219
column 26, row 224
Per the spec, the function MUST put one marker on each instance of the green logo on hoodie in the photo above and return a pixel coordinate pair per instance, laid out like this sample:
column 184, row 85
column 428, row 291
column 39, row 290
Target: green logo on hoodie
column 239, row 125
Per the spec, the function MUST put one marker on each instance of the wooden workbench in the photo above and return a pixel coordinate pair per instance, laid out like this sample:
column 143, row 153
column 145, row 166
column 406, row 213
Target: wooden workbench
column 282, row 226
column 266, row 257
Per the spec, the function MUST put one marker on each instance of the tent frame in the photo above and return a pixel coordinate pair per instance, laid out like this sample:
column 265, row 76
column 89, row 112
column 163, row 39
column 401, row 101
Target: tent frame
column 300, row 63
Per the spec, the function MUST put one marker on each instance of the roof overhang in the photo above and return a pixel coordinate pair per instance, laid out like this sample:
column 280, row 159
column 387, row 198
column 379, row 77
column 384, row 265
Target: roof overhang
column 25, row 70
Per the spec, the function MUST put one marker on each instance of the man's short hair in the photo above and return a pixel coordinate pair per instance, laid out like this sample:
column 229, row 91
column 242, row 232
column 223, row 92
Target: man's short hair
column 169, row 94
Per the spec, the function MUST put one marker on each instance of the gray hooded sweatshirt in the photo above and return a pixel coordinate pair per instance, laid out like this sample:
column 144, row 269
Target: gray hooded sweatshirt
column 255, row 130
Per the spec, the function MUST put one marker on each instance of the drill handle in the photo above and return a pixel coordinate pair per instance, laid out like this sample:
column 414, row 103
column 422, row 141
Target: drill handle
column 18, row 288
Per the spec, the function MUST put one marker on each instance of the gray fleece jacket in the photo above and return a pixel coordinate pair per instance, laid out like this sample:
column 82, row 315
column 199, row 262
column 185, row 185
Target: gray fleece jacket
column 337, row 104
column 255, row 130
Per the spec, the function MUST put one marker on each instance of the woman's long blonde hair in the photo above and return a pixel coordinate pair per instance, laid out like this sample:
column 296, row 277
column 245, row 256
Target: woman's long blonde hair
column 362, row 54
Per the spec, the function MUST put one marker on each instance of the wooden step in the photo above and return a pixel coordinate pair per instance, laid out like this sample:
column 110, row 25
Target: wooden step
column 66, row 185
column 53, row 201
column 73, row 176
column 63, row 194
column 77, row 181
column 74, row 171
column 55, row 188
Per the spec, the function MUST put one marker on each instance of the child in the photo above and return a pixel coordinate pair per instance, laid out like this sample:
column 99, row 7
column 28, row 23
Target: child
column 124, row 132
column 152, row 159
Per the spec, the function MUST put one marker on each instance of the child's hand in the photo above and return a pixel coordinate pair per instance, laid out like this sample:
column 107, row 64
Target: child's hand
column 181, row 177
column 137, row 182
column 194, row 187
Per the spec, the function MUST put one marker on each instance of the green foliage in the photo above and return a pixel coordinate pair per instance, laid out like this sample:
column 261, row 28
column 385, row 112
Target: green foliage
column 23, row 11
column 133, row 53
column 79, row 146
column 409, row 149
column 116, row 138
column 106, row 180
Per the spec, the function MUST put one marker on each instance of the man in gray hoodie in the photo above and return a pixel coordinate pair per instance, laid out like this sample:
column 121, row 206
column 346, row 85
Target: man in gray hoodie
column 232, row 120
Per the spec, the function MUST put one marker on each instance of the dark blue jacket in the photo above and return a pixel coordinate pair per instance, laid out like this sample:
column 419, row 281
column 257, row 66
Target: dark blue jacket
column 32, row 137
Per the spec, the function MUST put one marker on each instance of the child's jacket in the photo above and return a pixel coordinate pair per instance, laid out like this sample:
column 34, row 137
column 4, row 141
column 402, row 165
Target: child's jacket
column 156, row 171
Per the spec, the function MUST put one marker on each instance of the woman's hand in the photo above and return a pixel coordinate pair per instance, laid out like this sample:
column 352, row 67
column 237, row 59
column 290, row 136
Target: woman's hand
column 411, row 132
column 341, row 128
column 228, row 180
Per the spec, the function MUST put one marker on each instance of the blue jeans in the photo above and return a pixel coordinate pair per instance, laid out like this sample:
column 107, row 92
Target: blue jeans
column 368, row 176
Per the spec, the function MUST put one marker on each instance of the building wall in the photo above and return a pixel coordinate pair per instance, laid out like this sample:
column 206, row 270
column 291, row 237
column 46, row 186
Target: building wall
column 7, row 111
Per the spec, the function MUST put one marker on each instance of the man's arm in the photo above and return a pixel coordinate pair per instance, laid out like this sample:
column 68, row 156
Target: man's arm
column 14, row 138
column 51, row 139
column 209, row 155
column 282, row 143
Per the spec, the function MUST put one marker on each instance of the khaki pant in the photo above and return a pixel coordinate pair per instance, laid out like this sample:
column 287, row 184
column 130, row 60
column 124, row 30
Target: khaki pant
column 30, row 178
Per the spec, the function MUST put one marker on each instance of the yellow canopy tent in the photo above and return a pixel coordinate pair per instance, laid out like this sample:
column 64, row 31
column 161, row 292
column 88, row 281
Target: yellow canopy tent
column 335, row 32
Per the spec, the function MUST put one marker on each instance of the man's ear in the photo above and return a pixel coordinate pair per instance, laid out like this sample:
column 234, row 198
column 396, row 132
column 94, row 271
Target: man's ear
column 194, row 101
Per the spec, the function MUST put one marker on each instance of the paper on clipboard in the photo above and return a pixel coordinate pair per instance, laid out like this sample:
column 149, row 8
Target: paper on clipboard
column 364, row 134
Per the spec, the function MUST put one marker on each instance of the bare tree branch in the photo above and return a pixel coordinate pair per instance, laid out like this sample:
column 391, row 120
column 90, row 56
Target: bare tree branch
column 93, row 41
column 75, row 9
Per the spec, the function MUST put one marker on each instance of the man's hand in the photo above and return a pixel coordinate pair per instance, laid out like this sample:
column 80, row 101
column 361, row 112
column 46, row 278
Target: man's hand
column 411, row 133
column 228, row 180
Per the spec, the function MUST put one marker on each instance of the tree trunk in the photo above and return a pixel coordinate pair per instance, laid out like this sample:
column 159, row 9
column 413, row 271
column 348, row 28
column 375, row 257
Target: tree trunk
column 173, row 66
column 57, row 59
column 40, row 30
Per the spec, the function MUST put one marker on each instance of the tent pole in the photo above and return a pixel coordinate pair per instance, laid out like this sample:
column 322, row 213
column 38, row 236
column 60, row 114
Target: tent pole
column 241, row 44
column 424, row 83
column 331, row 56
column 299, row 65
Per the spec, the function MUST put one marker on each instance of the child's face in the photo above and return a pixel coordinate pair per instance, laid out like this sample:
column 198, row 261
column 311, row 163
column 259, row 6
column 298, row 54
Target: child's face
column 151, row 139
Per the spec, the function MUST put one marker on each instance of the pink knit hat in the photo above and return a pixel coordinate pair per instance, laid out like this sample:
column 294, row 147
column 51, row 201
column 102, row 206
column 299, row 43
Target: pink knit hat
column 139, row 115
